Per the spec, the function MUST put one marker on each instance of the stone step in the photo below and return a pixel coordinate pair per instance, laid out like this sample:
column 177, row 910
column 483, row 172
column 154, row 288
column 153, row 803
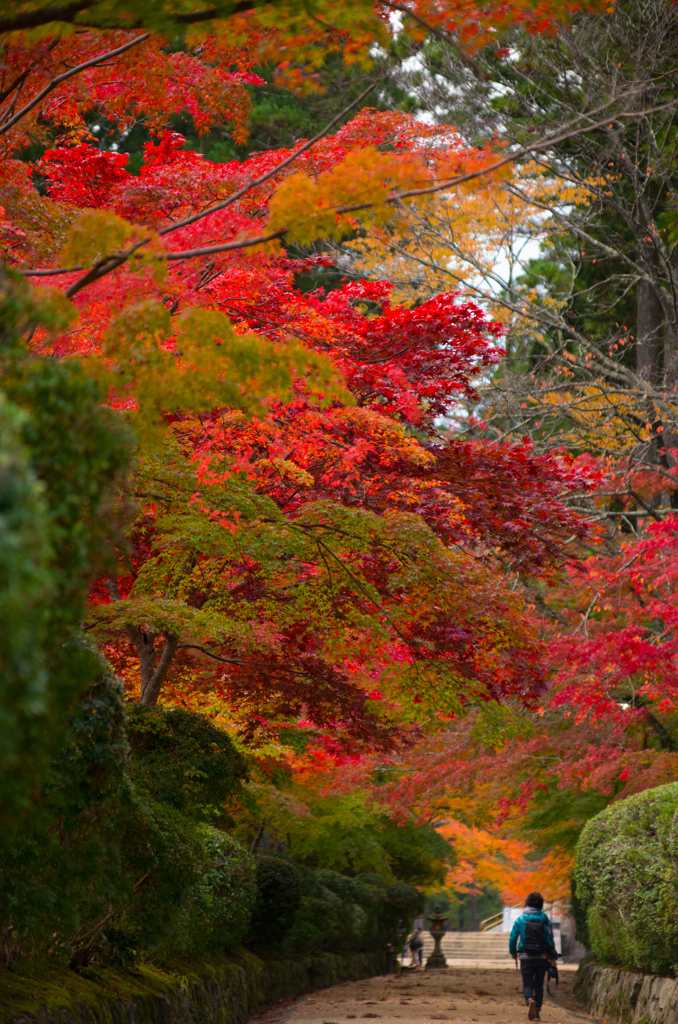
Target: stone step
column 470, row 945
column 472, row 940
column 473, row 945
column 478, row 944
column 457, row 944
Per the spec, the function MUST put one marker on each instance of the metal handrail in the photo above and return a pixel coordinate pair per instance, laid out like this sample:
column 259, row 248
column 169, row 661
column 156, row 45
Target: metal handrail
column 490, row 922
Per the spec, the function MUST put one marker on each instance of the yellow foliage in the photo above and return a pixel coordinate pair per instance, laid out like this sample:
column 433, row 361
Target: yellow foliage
column 471, row 237
column 607, row 420
column 96, row 233
column 198, row 361
column 288, row 470
column 308, row 206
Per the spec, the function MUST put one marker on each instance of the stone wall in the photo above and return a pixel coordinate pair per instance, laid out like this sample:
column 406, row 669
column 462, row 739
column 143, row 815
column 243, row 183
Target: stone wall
column 622, row 997
column 229, row 993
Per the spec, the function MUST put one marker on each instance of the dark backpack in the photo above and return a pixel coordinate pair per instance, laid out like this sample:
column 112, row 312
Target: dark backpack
column 533, row 943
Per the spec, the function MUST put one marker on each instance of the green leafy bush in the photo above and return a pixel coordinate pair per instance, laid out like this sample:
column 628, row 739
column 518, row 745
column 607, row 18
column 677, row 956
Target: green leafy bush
column 200, row 891
column 63, row 868
column 218, row 907
column 106, row 872
column 338, row 913
column 201, row 886
column 325, row 918
column 63, row 457
column 300, row 909
column 626, row 879
column 279, row 890
column 25, row 585
column 179, row 758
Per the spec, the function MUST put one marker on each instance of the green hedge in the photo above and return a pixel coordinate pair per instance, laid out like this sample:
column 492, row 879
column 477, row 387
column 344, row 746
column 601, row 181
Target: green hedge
column 338, row 913
column 626, row 879
column 123, row 862
column 108, row 868
column 301, row 909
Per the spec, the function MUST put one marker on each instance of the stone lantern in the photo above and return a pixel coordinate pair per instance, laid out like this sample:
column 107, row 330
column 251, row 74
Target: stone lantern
column 437, row 960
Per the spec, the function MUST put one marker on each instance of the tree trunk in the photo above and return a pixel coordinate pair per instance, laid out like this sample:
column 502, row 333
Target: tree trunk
column 151, row 681
column 152, row 677
column 649, row 335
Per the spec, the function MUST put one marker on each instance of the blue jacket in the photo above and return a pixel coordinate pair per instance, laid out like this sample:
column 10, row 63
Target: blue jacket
column 518, row 932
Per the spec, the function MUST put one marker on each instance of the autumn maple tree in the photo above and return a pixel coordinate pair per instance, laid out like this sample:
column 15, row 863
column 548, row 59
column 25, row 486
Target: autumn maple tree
column 78, row 42
column 323, row 549
column 308, row 540
column 314, row 545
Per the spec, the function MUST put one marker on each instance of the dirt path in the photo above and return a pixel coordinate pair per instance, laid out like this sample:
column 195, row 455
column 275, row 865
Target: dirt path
column 460, row 995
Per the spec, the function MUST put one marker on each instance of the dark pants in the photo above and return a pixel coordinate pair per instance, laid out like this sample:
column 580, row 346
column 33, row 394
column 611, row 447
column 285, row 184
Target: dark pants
column 533, row 979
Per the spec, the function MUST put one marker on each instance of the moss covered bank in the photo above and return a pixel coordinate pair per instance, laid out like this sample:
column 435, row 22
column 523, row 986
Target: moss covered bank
column 619, row 996
column 227, row 993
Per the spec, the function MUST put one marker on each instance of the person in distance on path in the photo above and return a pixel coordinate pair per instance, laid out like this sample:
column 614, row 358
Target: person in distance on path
column 416, row 944
column 532, row 942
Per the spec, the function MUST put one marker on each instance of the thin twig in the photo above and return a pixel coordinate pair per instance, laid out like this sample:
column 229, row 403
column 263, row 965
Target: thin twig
column 442, row 34
column 70, row 74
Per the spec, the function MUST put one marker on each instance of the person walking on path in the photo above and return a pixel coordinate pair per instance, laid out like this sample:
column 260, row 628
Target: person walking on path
column 416, row 945
column 532, row 942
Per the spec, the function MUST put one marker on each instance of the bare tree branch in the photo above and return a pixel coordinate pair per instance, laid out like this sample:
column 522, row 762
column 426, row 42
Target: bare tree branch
column 68, row 13
column 110, row 263
column 60, row 79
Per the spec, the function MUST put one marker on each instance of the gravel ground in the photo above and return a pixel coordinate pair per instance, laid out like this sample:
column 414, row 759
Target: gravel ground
column 460, row 995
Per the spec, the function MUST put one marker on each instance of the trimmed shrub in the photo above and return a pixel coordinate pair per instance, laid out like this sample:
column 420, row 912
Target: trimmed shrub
column 220, row 905
column 216, row 909
column 105, row 872
column 626, row 878
column 279, row 890
column 63, row 869
column 324, row 920
column 181, row 759
column 338, row 913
